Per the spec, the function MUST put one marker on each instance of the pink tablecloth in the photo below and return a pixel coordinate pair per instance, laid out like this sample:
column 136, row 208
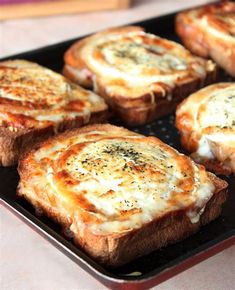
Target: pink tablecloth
column 27, row 261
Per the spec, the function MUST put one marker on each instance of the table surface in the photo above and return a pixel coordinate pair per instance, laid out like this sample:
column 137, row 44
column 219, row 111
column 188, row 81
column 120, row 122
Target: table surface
column 27, row 261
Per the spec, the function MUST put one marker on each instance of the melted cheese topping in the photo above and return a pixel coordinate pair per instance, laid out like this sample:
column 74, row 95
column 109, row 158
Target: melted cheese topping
column 33, row 96
column 211, row 113
column 112, row 180
column 216, row 19
column 137, row 62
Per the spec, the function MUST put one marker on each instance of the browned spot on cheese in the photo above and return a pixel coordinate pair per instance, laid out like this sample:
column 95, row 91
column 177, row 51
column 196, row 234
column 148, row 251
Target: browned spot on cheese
column 108, row 193
column 75, row 105
column 125, row 214
column 98, row 55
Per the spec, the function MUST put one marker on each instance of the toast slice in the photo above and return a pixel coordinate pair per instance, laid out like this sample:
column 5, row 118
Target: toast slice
column 209, row 32
column 35, row 103
column 121, row 194
column 206, row 121
column 140, row 75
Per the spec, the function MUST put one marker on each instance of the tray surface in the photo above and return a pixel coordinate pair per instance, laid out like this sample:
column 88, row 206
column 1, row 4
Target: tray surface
column 159, row 262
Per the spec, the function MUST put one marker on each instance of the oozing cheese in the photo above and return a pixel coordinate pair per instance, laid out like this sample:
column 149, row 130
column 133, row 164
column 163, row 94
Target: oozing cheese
column 211, row 113
column 29, row 92
column 139, row 62
column 204, row 149
column 114, row 181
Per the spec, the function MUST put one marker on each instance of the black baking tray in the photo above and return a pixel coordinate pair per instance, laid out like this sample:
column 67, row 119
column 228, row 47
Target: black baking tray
column 160, row 265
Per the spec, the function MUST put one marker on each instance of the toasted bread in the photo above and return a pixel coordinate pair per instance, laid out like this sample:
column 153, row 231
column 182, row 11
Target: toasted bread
column 35, row 103
column 209, row 32
column 140, row 75
column 121, row 194
column 206, row 121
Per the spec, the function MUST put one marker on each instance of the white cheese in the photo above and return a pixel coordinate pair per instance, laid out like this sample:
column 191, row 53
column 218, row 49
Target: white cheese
column 204, row 149
column 117, row 176
column 130, row 57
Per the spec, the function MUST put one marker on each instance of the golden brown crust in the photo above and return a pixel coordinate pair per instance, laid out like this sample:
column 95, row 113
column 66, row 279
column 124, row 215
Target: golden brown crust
column 115, row 249
column 209, row 32
column 30, row 109
column 151, row 101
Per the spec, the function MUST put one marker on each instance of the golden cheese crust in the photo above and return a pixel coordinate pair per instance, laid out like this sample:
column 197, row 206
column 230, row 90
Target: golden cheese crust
column 209, row 32
column 140, row 75
column 206, row 121
column 109, row 185
column 36, row 102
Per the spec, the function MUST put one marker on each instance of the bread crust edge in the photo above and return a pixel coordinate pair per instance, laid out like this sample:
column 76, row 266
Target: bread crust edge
column 119, row 248
column 203, row 44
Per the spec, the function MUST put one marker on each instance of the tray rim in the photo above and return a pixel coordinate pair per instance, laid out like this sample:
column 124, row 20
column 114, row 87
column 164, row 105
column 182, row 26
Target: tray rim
column 184, row 262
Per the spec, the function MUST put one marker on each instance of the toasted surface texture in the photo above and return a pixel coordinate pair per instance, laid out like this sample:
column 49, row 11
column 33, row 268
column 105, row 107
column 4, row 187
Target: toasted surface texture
column 209, row 32
column 140, row 75
column 35, row 103
column 122, row 194
column 206, row 121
